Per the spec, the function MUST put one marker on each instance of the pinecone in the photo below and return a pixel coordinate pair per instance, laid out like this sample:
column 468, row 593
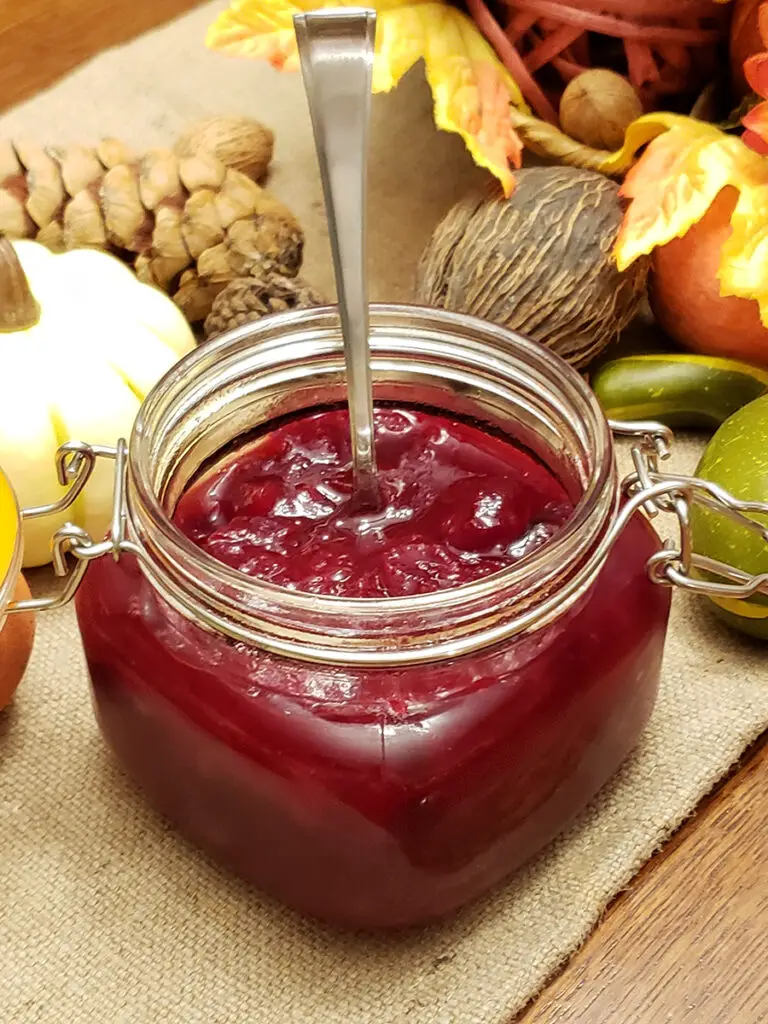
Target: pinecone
column 250, row 298
column 187, row 220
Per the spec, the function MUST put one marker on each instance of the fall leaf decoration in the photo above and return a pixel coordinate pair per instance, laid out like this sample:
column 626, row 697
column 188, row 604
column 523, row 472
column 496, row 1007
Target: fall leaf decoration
column 471, row 88
column 675, row 182
column 756, row 73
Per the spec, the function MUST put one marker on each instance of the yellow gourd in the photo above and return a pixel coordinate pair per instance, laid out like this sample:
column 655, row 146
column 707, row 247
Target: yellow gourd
column 82, row 341
column 16, row 632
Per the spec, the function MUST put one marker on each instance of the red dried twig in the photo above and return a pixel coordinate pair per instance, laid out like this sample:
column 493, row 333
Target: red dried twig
column 512, row 60
column 639, row 9
column 551, row 47
column 623, row 29
column 659, row 38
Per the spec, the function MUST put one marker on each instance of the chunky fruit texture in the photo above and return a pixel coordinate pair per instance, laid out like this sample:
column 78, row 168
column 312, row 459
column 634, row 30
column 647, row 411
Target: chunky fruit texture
column 375, row 797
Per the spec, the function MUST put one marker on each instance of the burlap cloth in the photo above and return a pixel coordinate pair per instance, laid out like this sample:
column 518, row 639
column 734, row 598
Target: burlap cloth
column 105, row 915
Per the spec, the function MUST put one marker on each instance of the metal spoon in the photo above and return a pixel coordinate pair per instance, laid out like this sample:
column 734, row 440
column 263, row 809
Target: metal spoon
column 336, row 49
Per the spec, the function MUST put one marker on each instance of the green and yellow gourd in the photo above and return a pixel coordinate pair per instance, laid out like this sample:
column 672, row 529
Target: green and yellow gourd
column 737, row 459
column 684, row 391
column 691, row 391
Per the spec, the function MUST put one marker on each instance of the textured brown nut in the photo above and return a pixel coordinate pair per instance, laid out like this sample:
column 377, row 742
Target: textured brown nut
column 597, row 107
column 239, row 142
column 540, row 262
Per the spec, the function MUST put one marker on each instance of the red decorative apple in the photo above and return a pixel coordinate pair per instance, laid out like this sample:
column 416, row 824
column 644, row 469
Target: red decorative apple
column 685, row 292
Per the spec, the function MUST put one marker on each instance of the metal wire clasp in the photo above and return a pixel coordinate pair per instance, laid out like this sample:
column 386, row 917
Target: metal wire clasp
column 677, row 564
column 73, row 547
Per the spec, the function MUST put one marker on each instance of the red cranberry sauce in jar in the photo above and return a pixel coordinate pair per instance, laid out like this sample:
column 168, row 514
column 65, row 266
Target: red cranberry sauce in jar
column 457, row 504
column 375, row 796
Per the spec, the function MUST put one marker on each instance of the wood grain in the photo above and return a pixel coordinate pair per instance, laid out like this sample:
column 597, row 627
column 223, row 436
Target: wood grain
column 688, row 942
column 41, row 40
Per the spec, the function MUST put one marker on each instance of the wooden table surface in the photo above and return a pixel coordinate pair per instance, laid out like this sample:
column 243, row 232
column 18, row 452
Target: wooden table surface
column 687, row 943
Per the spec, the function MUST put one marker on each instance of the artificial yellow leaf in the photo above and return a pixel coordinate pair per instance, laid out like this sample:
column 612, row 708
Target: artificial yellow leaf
column 744, row 256
column 671, row 187
column 471, row 88
column 638, row 134
column 675, row 182
column 260, row 30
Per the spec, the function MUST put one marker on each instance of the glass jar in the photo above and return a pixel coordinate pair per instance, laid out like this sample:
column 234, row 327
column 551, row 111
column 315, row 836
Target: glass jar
column 373, row 762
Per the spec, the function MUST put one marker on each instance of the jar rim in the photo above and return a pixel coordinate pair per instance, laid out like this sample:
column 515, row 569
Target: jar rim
column 271, row 335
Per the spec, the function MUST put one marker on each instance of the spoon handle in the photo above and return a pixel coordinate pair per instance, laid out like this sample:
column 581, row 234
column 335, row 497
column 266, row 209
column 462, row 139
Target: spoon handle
column 336, row 48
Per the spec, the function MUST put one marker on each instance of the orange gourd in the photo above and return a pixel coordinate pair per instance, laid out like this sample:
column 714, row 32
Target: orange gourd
column 685, row 294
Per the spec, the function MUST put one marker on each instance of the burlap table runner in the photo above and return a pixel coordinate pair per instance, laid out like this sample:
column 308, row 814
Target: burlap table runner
column 105, row 915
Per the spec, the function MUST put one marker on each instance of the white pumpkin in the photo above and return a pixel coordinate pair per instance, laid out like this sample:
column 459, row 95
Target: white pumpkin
column 78, row 372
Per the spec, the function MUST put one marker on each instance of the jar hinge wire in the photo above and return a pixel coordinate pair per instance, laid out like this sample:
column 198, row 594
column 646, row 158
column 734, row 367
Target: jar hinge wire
column 677, row 564
column 73, row 547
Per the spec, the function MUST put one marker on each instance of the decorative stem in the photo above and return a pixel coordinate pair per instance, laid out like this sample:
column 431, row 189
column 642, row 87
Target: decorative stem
column 19, row 310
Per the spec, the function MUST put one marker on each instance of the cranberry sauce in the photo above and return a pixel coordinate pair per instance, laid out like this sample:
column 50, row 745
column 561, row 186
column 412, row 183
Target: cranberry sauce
column 457, row 504
column 376, row 796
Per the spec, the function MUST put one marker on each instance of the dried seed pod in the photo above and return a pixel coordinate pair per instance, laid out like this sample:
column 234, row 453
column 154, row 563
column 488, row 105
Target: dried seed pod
column 52, row 237
column 167, row 236
column 79, row 167
column 9, row 161
column 194, row 297
column 215, row 265
column 250, row 298
column 160, row 271
column 273, row 241
column 200, row 224
column 46, row 189
column 203, row 170
column 83, row 222
column 238, row 197
column 112, row 152
column 239, row 142
column 175, row 211
column 15, row 222
column 158, row 177
column 126, row 221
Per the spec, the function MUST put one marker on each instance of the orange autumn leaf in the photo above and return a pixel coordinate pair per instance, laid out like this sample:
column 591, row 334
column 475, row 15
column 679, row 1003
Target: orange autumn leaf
column 674, row 183
column 471, row 88
column 756, row 73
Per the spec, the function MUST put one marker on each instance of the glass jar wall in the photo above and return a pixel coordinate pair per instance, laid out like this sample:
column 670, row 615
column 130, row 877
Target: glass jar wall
column 373, row 762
